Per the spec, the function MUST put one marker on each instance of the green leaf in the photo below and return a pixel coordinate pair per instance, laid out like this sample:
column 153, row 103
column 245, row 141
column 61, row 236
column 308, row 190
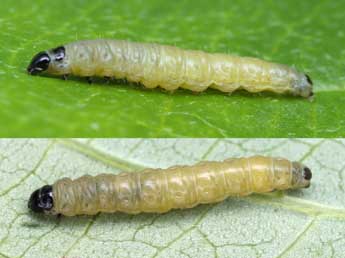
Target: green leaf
column 304, row 223
column 307, row 35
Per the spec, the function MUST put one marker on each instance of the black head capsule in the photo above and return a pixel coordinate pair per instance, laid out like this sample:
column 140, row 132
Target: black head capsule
column 46, row 59
column 39, row 63
column 41, row 200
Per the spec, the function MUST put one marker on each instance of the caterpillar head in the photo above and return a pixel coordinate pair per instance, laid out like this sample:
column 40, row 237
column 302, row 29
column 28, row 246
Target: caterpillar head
column 41, row 200
column 53, row 61
column 301, row 175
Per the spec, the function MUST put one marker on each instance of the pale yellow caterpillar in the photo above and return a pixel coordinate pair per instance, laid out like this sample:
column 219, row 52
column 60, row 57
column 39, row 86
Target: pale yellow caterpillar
column 160, row 190
column 170, row 67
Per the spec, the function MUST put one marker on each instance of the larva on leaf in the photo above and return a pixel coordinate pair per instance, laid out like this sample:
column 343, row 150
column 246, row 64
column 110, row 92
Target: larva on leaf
column 170, row 67
column 178, row 187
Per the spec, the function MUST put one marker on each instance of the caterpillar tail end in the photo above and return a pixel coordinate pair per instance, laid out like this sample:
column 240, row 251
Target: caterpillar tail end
column 310, row 82
column 306, row 87
column 307, row 173
column 303, row 86
column 301, row 175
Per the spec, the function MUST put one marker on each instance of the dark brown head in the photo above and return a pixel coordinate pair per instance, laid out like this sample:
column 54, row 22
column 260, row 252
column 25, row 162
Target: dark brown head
column 41, row 200
column 41, row 61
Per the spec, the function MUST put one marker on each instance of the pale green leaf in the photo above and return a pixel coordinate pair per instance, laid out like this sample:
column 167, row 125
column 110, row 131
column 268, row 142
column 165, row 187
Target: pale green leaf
column 304, row 223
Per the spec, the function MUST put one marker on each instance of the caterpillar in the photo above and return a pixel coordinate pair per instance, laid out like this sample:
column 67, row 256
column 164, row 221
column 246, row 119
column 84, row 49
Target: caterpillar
column 160, row 190
column 169, row 67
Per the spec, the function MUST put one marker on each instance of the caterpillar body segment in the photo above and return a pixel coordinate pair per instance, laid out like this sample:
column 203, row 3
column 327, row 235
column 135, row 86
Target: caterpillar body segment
column 178, row 187
column 170, row 67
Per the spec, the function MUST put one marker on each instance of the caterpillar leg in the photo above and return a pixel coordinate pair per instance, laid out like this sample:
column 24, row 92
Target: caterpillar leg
column 196, row 93
column 108, row 79
column 123, row 81
column 89, row 79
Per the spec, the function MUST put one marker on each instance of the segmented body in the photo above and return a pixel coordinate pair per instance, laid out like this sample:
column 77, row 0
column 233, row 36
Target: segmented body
column 171, row 67
column 160, row 190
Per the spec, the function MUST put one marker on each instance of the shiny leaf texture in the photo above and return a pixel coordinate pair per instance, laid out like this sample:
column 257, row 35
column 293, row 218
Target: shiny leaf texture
column 304, row 34
column 304, row 223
